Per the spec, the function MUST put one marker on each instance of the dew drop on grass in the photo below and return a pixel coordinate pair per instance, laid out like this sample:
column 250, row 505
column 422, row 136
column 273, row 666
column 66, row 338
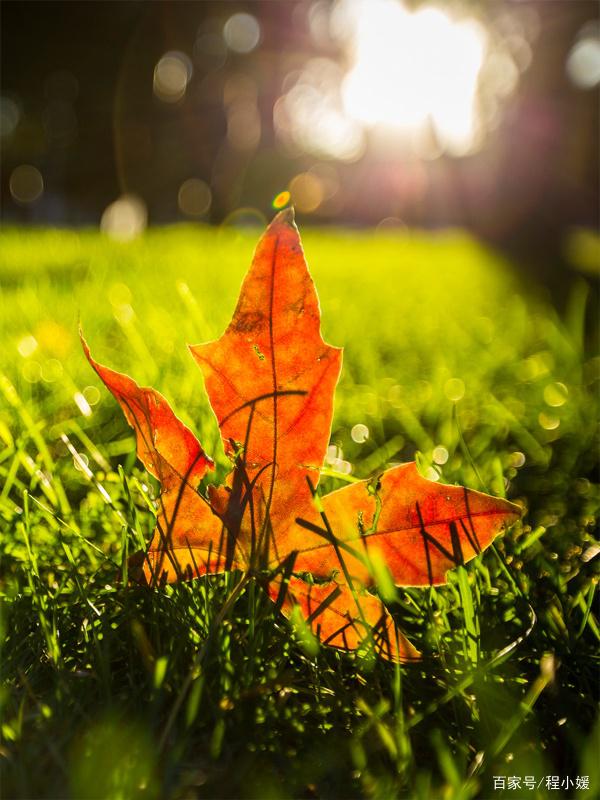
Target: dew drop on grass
column 359, row 433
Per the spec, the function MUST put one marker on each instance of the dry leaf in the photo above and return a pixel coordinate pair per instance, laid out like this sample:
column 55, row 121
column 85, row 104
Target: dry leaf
column 271, row 379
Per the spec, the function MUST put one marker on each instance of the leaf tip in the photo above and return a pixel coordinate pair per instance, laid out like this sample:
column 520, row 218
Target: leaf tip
column 285, row 217
column 514, row 512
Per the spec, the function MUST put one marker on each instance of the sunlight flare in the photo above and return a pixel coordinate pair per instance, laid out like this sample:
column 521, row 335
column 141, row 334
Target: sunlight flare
column 414, row 70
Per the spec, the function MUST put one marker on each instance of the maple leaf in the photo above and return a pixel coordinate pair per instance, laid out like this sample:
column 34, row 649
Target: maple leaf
column 270, row 380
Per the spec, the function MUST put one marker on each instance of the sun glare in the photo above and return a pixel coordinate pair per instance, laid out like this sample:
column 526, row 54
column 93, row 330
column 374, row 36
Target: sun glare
column 414, row 70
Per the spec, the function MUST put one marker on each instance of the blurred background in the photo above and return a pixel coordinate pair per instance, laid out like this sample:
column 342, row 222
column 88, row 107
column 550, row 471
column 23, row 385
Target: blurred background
column 390, row 113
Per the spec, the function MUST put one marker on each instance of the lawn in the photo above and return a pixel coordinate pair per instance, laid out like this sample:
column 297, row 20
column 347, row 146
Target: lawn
column 448, row 360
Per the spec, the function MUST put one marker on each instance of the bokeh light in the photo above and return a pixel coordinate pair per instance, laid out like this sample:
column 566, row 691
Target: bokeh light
column 242, row 33
column 517, row 459
column 239, row 87
column 32, row 371
column 583, row 62
column 194, row 197
column 245, row 217
column 124, row 219
column 392, row 224
column 119, row 294
column 281, row 200
column 359, row 433
column 306, row 192
column 26, row 184
column 27, row 346
column 391, row 113
column 556, row 394
column 243, row 125
column 52, row 370
column 82, row 404
column 171, row 76
column 440, row 455
column 413, row 69
column 9, row 116
column 92, row 395
column 427, row 81
column 335, row 460
column 310, row 115
column 432, row 474
column 548, row 422
column 454, row 389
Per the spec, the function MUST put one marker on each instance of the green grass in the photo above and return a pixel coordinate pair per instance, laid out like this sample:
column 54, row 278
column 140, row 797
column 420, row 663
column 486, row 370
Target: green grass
column 115, row 691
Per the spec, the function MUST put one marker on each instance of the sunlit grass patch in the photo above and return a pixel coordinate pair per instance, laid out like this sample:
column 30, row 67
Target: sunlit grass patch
column 446, row 361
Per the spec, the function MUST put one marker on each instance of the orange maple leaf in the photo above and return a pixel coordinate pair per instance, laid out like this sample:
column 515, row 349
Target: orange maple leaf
column 270, row 379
